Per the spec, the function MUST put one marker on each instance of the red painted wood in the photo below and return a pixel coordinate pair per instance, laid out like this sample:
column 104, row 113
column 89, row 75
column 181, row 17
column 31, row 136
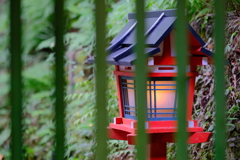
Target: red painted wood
column 166, row 137
column 195, row 123
column 164, row 61
column 121, row 73
column 195, row 60
column 191, row 87
column 199, row 137
column 158, row 159
column 116, row 67
column 193, row 68
column 119, row 92
column 157, row 147
column 128, row 121
column 117, row 134
column 165, row 68
column 154, row 124
column 172, row 129
column 131, row 138
column 190, row 74
column 172, row 60
column 194, row 137
column 157, row 127
column 192, row 40
column 118, row 120
column 195, row 48
column 131, row 74
column 197, row 53
column 128, row 68
column 123, row 127
column 167, row 47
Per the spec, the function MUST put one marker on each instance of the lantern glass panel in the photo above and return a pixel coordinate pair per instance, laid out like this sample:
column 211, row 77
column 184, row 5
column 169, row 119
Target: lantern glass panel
column 128, row 94
column 161, row 98
column 130, row 91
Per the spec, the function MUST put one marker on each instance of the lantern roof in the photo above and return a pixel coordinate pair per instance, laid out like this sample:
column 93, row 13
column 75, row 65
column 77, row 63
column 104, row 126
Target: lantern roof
column 158, row 25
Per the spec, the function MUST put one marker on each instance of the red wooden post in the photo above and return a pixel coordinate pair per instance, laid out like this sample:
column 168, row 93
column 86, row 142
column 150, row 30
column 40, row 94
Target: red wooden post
column 190, row 97
column 121, row 114
column 157, row 147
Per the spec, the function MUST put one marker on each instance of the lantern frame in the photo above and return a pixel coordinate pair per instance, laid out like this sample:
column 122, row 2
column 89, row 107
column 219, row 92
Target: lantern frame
column 190, row 87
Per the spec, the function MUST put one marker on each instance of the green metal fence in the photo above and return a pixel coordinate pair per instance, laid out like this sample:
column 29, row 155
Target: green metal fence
column 101, row 150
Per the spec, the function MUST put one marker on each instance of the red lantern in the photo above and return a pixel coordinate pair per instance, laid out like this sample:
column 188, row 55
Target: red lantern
column 161, row 105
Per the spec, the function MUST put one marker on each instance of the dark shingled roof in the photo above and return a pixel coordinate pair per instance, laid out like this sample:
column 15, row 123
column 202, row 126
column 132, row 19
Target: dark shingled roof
column 159, row 24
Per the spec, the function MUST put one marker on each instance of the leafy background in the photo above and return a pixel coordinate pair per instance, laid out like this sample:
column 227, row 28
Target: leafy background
column 38, row 58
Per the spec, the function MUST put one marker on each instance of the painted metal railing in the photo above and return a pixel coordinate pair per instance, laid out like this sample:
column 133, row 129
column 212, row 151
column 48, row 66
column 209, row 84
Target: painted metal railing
column 181, row 50
column 16, row 79
column 100, row 17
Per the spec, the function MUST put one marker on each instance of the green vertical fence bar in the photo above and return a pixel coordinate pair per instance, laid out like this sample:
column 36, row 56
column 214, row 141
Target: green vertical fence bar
column 59, row 80
column 181, row 49
column 220, row 136
column 16, row 79
column 101, row 103
column 141, row 81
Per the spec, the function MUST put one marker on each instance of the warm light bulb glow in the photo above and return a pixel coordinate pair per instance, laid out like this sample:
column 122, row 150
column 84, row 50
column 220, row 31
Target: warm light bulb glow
column 161, row 98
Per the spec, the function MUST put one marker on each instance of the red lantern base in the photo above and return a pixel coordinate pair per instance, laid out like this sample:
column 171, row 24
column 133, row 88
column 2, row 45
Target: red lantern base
column 160, row 133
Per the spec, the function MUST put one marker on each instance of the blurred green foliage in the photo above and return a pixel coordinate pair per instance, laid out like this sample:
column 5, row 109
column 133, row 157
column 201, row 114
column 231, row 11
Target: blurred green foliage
column 38, row 58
